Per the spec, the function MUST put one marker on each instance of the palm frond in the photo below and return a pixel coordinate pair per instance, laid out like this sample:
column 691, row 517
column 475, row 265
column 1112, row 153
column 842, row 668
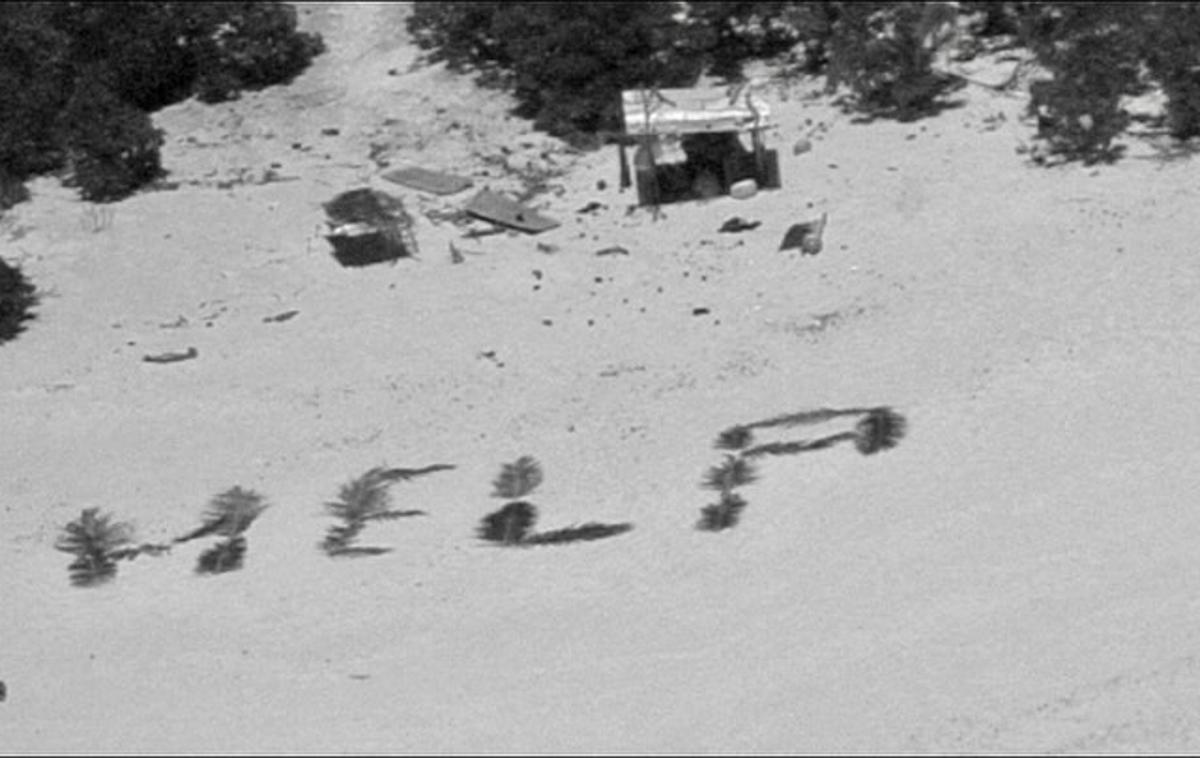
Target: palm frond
column 340, row 536
column 226, row 555
column 362, row 497
column 392, row 515
column 404, row 474
column 518, row 479
column 881, row 429
column 231, row 512
column 734, row 471
column 734, row 438
column 357, row 552
column 93, row 534
column 90, row 571
column 584, row 532
column 146, row 548
column 509, row 525
column 722, row 515
column 798, row 446
column 817, row 416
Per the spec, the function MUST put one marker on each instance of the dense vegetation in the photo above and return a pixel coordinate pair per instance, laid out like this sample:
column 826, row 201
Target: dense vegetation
column 17, row 299
column 80, row 79
column 567, row 63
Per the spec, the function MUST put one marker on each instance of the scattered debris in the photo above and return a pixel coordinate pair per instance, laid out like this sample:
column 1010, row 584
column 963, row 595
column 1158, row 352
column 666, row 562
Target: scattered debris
column 473, row 233
column 429, row 181
column 614, row 250
column 591, row 207
column 739, row 224
column 491, row 356
column 172, row 357
column 280, row 317
column 456, row 255
column 369, row 226
column 546, row 247
column 330, row 132
column 494, row 207
column 700, row 311
column 803, row 145
column 806, row 236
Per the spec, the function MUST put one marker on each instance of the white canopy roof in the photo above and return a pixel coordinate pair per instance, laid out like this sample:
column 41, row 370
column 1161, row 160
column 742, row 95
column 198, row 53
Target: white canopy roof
column 686, row 111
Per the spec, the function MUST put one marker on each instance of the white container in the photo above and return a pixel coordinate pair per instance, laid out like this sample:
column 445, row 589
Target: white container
column 744, row 190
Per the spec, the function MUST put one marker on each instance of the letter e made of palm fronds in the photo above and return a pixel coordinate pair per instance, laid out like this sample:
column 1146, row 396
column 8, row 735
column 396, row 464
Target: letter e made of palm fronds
column 513, row 523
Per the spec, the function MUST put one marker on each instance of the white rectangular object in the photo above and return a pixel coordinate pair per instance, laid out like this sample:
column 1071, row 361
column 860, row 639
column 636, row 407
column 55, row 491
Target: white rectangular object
column 687, row 111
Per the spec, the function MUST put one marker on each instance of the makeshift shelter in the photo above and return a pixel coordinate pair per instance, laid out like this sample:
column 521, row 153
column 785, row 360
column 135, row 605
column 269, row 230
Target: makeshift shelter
column 368, row 226
column 704, row 127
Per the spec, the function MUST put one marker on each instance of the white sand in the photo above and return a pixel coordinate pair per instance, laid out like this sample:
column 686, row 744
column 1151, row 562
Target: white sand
column 1018, row 575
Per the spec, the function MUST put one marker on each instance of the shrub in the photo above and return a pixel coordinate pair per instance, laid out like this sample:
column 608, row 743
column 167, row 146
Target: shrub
column 255, row 45
column 1092, row 51
column 144, row 48
column 735, row 32
column 73, row 67
column 1173, row 58
column 97, row 543
column 996, row 18
column 12, row 190
column 566, row 63
column 460, row 34
column 35, row 77
column 17, row 298
column 814, row 24
column 884, row 52
column 113, row 146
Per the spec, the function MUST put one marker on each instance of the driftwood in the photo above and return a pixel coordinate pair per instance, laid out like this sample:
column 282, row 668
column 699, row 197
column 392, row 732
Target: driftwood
column 172, row 357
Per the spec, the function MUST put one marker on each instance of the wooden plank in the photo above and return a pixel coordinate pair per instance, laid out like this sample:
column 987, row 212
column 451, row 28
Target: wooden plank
column 428, row 181
column 498, row 209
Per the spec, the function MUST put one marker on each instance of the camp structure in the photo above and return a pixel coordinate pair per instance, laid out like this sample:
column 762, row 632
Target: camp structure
column 704, row 128
column 368, row 226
